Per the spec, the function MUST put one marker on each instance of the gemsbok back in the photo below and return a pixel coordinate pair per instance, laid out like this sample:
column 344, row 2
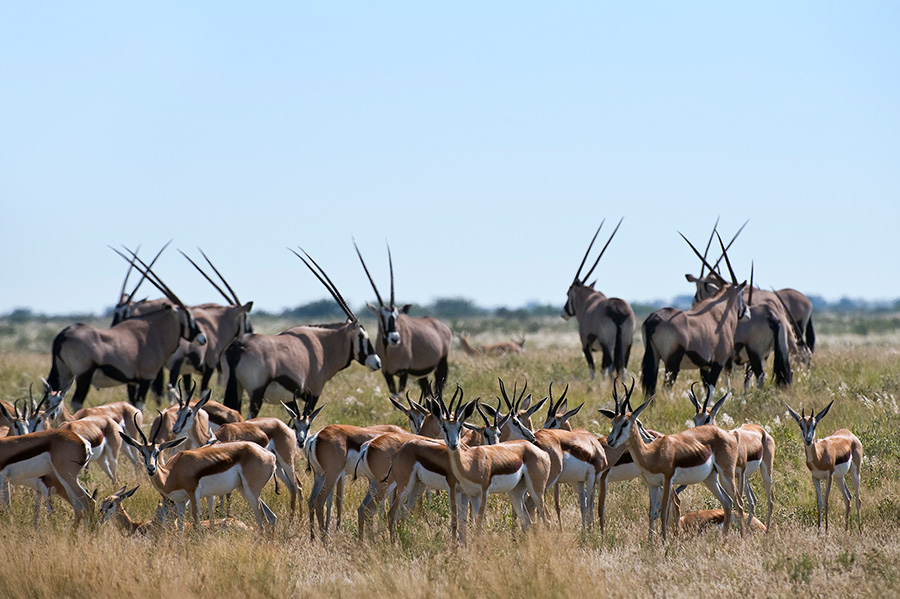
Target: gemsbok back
column 299, row 361
column 604, row 323
column 408, row 345
column 133, row 351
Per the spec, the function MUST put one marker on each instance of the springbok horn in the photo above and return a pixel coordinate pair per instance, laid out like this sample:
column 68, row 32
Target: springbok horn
column 366, row 268
column 583, row 260
column 140, row 431
column 597, row 261
column 158, row 428
column 709, row 243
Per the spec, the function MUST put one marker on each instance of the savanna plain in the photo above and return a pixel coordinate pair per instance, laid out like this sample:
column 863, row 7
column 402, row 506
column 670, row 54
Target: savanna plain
column 856, row 364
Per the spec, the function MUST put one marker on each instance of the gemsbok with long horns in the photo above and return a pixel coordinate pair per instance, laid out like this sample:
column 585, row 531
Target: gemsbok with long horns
column 133, row 351
column 408, row 345
column 702, row 337
column 206, row 472
column 830, row 458
column 299, row 361
column 705, row 454
column 605, row 324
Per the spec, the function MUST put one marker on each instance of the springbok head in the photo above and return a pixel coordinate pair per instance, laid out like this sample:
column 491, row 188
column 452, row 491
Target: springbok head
column 301, row 422
column 703, row 413
column 493, row 422
column 520, row 410
column 580, row 281
column 111, row 504
column 387, row 314
column 808, row 423
column 186, row 413
column 557, row 414
column 150, row 450
column 452, row 418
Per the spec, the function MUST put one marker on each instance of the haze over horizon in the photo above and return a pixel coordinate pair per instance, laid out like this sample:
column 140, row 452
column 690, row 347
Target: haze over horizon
column 485, row 143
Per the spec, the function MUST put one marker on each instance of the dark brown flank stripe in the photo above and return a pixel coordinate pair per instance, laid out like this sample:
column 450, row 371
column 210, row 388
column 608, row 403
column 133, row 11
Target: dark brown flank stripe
column 353, row 444
column 432, row 466
column 579, row 453
column 842, row 459
column 625, row 458
column 695, row 459
column 219, row 466
column 755, row 456
column 27, row 450
column 508, row 468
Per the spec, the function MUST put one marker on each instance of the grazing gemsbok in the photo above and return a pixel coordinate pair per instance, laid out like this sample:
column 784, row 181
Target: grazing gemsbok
column 604, row 323
column 757, row 452
column 221, row 325
column 208, row 471
column 702, row 337
column 53, row 455
column 502, row 348
column 299, row 361
column 705, row 454
column 133, row 351
column 408, row 345
column 828, row 458
column 514, row 468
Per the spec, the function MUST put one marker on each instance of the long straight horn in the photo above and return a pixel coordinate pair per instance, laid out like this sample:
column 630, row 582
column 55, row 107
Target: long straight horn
column 702, row 259
column 391, row 264
column 728, row 247
column 750, row 295
column 597, row 261
column 366, row 268
column 207, row 277
column 144, row 275
column 237, row 302
column 709, row 243
column 727, row 261
column 583, row 260
column 323, row 278
column 153, row 278
column 127, row 274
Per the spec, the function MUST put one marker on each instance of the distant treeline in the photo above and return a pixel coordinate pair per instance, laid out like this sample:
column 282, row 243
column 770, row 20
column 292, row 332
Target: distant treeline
column 459, row 307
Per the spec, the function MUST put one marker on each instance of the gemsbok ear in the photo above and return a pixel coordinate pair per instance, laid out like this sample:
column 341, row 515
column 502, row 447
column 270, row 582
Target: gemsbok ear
column 405, row 309
column 372, row 308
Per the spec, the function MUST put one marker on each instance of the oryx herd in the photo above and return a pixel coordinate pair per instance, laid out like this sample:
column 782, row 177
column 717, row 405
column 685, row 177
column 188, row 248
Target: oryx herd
column 199, row 448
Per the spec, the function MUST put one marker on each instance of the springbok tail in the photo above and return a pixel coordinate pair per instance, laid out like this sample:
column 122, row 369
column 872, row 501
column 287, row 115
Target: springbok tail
column 784, row 376
column 270, row 516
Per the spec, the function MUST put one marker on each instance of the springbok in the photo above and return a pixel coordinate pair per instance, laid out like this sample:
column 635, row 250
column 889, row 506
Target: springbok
column 705, row 454
column 208, row 471
column 133, row 351
column 757, row 452
column 604, row 323
column 704, row 519
column 702, row 337
column 53, row 455
column 421, row 421
column 299, row 361
column 333, row 453
column 828, row 458
column 221, row 325
column 513, row 468
column 503, row 348
column 408, row 345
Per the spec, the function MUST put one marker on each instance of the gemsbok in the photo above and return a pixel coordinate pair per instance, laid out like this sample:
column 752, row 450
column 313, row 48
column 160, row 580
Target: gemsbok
column 514, row 468
column 605, row 324
column 702, row 337
column 408, row 345
column 705, row 454
column 757, row 452
column 132, row 351
column 830, row 458
column 299, row 361
column 208, row 471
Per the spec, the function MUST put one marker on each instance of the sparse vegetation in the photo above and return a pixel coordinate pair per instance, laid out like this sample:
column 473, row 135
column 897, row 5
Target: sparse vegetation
column 861, row 372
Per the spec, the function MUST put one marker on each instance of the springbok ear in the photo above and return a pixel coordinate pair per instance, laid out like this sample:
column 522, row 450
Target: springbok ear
column 204, row 399
column 523, row 405
column 6, row 413
column 608, row 413
column 718, row 404
column 503, row 421
column 172, row 443
column 571, row 413
column 489, row 410
column 372, row 308
column 405, row 309
column 471, row 427
column 400, row 406
column 467, row 411
column 94, row 495
column 129, row 493
column 821, row 414
column 290, row 411
column 129, row 440
column 314, row 414
column 641, row 408
column 793, row 413
column 530, row 411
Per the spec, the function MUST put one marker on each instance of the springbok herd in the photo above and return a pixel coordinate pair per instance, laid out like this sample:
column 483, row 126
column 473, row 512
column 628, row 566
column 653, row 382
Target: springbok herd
column 198, row 448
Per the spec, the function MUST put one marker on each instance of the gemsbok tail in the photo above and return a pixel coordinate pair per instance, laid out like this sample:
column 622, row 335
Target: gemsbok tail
column 232, row 395
column 784, row 376
column 810, row 335
column 650, row 363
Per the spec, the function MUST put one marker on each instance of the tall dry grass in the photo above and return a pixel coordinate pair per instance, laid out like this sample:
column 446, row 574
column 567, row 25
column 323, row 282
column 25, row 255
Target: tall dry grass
column 860, row 373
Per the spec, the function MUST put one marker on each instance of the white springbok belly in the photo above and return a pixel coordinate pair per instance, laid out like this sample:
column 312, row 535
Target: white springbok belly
column 574, row 470
column 430, row 479
column 35, row 467
column 221, row 483
column 504, row 483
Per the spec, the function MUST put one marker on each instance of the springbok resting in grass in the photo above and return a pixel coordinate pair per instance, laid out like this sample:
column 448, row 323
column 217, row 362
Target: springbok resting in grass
column 209, row 471
column 831, row 457
column 502, row 348
column 705, row 454
column 699, row 521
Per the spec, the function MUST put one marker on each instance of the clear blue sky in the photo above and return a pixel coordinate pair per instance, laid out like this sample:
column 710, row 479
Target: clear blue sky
column 485, row 141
